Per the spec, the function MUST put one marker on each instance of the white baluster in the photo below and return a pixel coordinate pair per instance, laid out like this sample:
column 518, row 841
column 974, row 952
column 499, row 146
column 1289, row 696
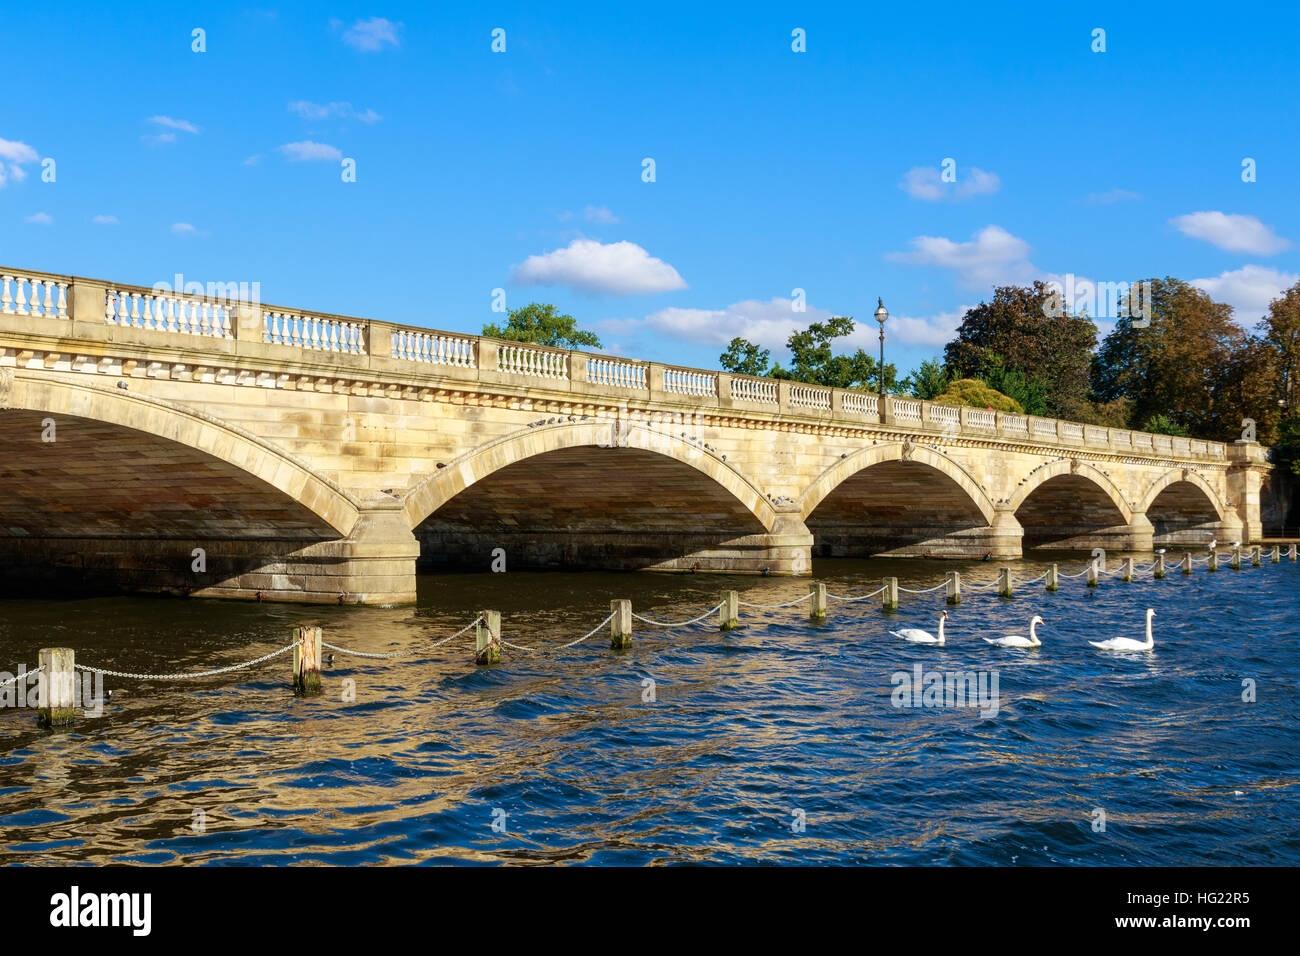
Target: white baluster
column 62, row 304
column 110, row 302
column 171, row 313
column 48, row 305
column 135, row 310
column 22, row 297
column 6, row 300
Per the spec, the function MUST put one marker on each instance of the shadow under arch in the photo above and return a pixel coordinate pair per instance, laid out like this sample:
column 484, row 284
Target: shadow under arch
column 1183, row 508
column 898, row 499
column 272, row 468
column 1069, row 504
column 602, row 494
column 105, row 490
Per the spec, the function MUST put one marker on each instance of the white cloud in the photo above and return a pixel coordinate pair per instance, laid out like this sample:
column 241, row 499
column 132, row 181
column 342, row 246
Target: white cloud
column 1248, row 290
column 1114, row 196
column 926, row 183
column 600, row 214
column 372, row 35
column 770, row 323
column 992, row 257
column 182, row 125
column 252, row 160
column 16, row 154
column 41, row 219
column 617, row 268
column 158, row 139
column 105, row 220
column 1231, row 233
column 307, row 151
column 316, row 111
column 183, row 229
column 934, row 331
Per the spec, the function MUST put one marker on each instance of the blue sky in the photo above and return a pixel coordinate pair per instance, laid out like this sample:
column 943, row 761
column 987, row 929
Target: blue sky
column 775, row 170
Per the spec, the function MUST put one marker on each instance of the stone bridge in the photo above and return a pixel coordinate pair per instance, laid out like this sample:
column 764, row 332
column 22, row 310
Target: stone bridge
column 169, row 442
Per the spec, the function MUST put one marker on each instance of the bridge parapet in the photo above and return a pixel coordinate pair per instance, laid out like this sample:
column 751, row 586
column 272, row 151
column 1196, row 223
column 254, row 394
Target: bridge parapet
column 222, row 327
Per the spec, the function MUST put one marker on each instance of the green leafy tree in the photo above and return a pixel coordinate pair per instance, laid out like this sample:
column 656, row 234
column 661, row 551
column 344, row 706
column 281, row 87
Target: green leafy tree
column 1025, row 327
column 1192, row 364
column 973, row 393
column 928, row 381
column 543, row 325
column 813, row 360
column 743, row 357
column 1281, row 329
column 1161, row 425
column 1029, row 393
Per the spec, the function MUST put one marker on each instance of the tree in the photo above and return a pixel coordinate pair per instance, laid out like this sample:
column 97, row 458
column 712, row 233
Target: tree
column 1023, row 326
column 745, row 358
column 543, row 325
column 928, row 381
column 1281, row 329
column 813, row 360
column 1161, row 425
column 1029, row 393
column 975, row 394
column 1192, row 364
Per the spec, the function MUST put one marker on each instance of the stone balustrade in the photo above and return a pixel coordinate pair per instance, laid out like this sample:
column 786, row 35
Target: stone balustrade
column 188, row 322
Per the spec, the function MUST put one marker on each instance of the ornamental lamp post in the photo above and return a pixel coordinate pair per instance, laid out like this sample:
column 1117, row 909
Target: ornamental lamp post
column 882, row 316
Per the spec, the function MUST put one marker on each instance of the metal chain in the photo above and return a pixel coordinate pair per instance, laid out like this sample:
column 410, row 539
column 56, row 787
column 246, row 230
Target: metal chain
column 211, row 673
column 923, row 590
column 534, row 650
column 772, row 607
column 694, row 620
column 860, row 597
column 406, row 653
column 14, row 680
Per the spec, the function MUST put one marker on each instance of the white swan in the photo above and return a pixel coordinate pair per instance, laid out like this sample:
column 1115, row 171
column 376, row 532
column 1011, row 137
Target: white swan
column 1127, row 643
column 918, row 636
column 1019, row 640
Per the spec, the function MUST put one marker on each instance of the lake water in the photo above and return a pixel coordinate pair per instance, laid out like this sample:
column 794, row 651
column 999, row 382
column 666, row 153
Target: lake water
column 777, row 743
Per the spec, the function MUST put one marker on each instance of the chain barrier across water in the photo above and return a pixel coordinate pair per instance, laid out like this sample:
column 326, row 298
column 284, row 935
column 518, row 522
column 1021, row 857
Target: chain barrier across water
column 414, row 650
column 14, row 680
column 211, row 673
column 694, row 620
column 533, row 650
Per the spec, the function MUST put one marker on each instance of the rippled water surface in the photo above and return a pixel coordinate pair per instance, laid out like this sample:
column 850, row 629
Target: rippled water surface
column 563, row 751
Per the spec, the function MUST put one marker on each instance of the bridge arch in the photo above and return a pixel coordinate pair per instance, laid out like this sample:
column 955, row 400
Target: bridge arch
column 324, row 509
column 1065, row 467
column 1178, row 476
column 900, row 499
column 437, row 489
column 844, row 469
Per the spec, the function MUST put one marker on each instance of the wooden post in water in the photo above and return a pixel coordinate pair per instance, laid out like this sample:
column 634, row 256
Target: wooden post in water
column 1092, row 573
column 1255, row 557
column 1126, row 570
column 1291, row 551
column 1158, row 572
column 954, row 587
column 1275, row 556
column 620, row 623
column 1053, row 578
column 306, row 660
column 1004, row 582
column 889, row 599
column 56, row 687
column 729, row 613
column 1236, row 559
column 1213, row 564
column 1187, row 563
column 487, row 638
column 818, row 610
